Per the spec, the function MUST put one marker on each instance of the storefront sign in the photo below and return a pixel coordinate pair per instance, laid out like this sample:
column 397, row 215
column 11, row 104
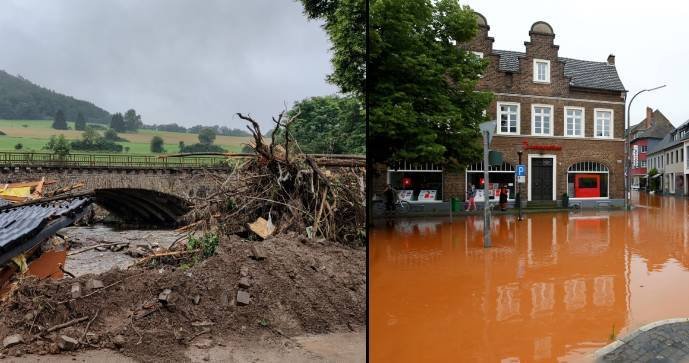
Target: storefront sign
column 427, row 195
column 540, row 147
column 406, row 194
column 635, row 156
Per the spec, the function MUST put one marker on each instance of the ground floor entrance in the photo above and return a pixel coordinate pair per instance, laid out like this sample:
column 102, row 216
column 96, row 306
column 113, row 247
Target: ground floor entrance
column 542, row 180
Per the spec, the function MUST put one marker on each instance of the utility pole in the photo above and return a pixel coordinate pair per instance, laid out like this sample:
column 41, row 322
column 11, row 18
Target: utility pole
column 487, row 130
column 519, row 188
column 486, row 193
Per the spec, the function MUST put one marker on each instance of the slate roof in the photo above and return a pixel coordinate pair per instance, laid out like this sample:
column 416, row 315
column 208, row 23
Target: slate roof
column 665, row 143
column 584, row 74
column 660, row 127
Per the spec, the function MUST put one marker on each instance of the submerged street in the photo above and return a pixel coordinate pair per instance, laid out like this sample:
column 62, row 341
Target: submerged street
column 554, row 286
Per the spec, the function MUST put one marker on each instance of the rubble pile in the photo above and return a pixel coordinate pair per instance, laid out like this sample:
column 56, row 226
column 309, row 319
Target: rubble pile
column 283, row 190
column 290, row 285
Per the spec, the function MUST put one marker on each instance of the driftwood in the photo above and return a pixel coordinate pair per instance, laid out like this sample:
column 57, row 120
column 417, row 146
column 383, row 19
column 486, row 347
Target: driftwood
column 289, row 186
column 64, row 325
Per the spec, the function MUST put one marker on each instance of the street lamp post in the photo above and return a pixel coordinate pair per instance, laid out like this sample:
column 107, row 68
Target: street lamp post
column 627, row 152
column 518, row 199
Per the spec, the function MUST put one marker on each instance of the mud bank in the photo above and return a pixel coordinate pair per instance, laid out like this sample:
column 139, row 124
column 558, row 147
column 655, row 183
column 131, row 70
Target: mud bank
column 166, row 313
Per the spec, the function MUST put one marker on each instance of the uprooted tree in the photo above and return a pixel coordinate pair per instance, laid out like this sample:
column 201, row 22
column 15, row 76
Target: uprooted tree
column 288, row 189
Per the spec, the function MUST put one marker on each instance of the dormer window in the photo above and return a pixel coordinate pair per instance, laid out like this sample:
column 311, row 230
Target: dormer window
column 541, row 71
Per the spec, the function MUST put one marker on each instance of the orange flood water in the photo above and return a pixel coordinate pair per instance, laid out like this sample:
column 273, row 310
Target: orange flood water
column 553, row 287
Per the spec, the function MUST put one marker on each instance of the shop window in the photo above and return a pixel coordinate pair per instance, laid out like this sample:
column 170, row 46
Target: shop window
column 499, row 175
column 587, row 180
column 417, row 185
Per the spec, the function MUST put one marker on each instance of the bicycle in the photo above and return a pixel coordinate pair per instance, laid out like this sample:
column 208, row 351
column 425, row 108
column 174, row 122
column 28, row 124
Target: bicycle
column 401, row 206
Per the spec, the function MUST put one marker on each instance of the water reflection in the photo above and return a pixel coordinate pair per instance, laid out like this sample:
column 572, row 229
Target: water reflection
column 553, row 287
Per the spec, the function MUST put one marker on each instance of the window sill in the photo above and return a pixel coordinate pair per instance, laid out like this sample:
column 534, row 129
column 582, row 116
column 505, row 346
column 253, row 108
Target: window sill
column 541, row 82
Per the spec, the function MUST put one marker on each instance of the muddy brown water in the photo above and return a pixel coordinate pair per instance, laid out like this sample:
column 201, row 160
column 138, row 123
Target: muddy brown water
column 554, row 287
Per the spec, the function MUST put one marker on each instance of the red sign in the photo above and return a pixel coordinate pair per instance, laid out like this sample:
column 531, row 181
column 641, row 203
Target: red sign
column 540, row 147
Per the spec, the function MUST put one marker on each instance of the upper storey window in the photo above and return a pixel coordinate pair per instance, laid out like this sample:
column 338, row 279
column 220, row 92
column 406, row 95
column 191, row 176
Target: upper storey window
column 541, row 71
column 602, row 128
column 508, row 116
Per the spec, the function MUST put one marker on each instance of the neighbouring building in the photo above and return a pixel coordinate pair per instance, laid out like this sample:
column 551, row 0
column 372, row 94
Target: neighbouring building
column 565, row 115
column 644, row 136
column 668, row 158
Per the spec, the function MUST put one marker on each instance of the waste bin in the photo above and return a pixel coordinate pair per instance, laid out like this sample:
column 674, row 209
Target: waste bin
column 456, row 205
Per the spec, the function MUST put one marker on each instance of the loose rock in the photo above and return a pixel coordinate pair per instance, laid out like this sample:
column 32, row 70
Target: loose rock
column 67, row 343
column 164, row 296
column 196, row 299
column 258, row 253
column 12, row 340
column 243, row 298
column 119, row 340
column 244, row 271
column 76, row 290
column 244, row 283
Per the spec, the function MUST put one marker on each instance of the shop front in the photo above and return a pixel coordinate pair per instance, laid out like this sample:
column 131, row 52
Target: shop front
column 417, row 183
column 588, row 180
column 498, row 175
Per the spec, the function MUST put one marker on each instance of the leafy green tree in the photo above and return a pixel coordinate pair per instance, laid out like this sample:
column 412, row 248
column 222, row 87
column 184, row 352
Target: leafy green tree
column 58, row 145
column 18, row 146
column 328, row 125
column 132, row 121
column 80, row 123
column 157, row 144
column 111, row 135
column 90, row 136
column 345, row 24
column 181, row 146
column 117, row 123
column 422, row 100
column 206, row 136
column 59, row 122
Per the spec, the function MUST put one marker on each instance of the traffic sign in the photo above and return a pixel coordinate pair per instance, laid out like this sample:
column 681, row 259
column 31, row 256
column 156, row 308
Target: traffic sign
column 521, row 170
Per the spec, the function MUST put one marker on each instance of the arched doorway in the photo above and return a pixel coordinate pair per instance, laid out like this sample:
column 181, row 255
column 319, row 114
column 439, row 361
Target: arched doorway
column 588, row 179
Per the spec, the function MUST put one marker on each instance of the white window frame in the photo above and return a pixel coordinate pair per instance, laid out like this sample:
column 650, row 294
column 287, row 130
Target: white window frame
column 499, row 118
column 583, row 121
column 535, row 71
column 595, row 123
column 533, row 120
column 478, row 54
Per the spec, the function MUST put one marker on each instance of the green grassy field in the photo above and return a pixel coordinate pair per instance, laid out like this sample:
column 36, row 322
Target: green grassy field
column 34, row 134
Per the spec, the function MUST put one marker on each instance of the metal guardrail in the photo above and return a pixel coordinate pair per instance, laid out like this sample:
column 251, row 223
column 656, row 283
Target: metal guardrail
column 111, row 161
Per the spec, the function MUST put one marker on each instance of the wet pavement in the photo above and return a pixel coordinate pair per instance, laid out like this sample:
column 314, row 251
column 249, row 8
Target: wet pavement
column 555, row 286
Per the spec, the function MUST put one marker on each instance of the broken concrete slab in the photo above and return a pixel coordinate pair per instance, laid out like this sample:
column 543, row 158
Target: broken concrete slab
column 93, row 284
column 66, row 342
column 258, row 253
column 76, row 290
column 244, row 283
column 243, row 298
column 164, row 296
column 12, row 340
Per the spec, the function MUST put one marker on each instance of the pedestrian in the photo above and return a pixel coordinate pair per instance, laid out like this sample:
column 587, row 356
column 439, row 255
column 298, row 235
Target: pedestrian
column 390, row 198
column 503, row 198
column 471, row 195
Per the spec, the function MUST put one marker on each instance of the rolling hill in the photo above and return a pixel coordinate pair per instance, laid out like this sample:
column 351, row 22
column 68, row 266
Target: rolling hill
column 21, row 99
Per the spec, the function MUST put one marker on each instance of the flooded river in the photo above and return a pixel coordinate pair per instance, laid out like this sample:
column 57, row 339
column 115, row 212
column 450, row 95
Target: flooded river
column 554, row 287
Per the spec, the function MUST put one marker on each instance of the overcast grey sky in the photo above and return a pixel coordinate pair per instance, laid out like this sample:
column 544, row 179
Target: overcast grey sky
column 178, row 61
column 647, row 38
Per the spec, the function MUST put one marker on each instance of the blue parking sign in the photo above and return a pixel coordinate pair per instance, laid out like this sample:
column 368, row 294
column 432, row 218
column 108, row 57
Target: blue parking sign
column 521, row 170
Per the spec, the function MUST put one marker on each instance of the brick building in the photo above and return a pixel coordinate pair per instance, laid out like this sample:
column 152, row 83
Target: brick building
column 565, row 115
column 667, row 157
column 644, row 136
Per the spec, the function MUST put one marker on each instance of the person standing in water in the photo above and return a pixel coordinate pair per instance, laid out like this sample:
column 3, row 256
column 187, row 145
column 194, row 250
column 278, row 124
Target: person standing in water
column 503, row 198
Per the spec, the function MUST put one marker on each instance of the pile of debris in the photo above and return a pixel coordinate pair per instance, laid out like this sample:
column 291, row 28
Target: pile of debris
column 281, row 190
column 284, row 286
